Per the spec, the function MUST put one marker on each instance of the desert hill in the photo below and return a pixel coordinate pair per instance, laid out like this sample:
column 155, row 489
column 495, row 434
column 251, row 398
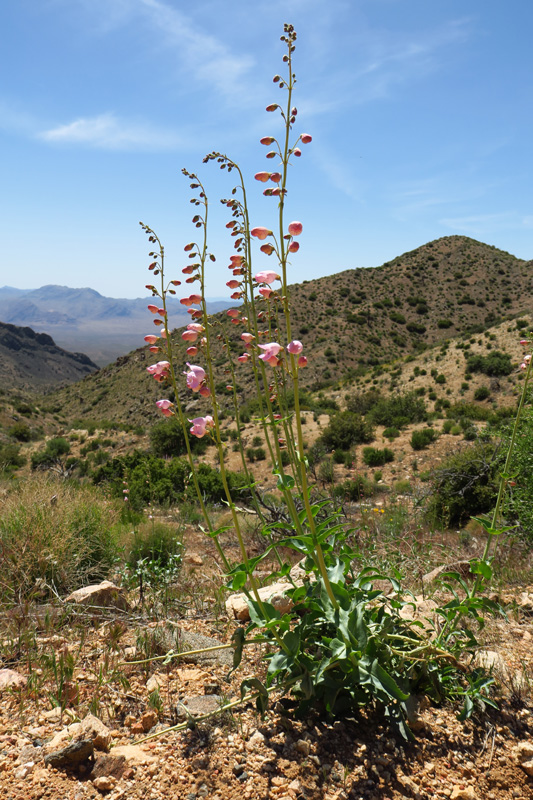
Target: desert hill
column 33, row 361
column 352, row 324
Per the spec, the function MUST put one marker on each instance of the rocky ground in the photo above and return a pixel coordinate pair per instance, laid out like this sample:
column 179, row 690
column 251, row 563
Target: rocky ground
column 97, row 747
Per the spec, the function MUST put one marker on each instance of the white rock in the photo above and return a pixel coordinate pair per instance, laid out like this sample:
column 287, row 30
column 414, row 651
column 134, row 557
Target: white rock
column 492, row 662
column 104, row 783
column 9, row 679
column 256, row 740
column 524, row 751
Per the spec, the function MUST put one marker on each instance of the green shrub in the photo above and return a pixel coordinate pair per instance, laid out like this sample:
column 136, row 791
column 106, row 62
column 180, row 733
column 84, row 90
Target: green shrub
column 52, row 454
column 163, row 482
column 355, row 489
column 391, row 433
column 346, row 429
column 398, row 410
column 495, row 364
column 21, row 432
column 481, row 393
column 374, row 457
column 167, row 439
column 10, row 458
column 469, row 411
column 403, row 487
column 465, row 485
column 423, row 438
column 362, row 402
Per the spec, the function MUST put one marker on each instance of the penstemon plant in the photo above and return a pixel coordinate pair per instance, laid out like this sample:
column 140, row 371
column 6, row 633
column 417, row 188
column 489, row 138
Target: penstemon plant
column 344, row 644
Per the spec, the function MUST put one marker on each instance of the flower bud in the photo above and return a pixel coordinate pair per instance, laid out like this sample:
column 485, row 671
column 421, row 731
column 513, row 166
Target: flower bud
column 267, row 140
column 262, row 176
column 295, row 228
column 306, row 138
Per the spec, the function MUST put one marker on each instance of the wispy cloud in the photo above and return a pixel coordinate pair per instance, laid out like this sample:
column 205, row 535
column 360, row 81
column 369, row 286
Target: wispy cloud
column 481, row 224
column 194, row 51
column 108, row 132
column 389, row 58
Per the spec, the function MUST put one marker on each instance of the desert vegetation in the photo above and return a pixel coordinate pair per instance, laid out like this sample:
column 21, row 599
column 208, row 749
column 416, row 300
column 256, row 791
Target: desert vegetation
column 345, row 475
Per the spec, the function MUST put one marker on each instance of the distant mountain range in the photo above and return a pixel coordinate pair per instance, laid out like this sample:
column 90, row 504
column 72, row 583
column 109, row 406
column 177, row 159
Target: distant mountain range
column 86, row 321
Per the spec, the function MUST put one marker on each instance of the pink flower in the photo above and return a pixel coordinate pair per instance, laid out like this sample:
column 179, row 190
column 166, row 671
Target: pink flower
column 236, row 261
column 189, row 336
column 295, row 347
column 266, row 276
column 271, row 350
column 524, row 342
column 295, row 228
column 523, row 365
column 151, row 339
column 196, row 327
column 192, row 351
column 154, row 349
column 195, row 377
column 527, row 359
column 293, row 247
column 306, row 138
column 267, row 248
column 188, row 270
column 204, row 391
column 247, row 337
column 272, row 107
column 233, row 313
column 267, row 140
column 302, row 361
column 297, row 152
column 153, row 309
column 165, row 406
column 262, row 176
column 161, row 368
column 265, row 292
column 193, row 300
column 200, row 425
column 260, row 233
column 244, row 358
column 275, row 177
column 233, row 284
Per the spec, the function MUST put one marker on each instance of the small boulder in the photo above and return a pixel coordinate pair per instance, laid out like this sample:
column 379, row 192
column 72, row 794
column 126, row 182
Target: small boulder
column 92, row 728
column 100, row 595
column 237, row 604
column 71, row 755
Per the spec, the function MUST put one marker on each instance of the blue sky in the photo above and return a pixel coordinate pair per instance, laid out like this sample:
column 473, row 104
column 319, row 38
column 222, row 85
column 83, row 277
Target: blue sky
column 420, row 112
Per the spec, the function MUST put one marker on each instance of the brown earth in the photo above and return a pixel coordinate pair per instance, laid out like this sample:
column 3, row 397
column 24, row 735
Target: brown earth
column 238, row 754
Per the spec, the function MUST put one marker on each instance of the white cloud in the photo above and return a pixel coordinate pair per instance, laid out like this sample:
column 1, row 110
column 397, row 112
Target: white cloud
column 110, row 133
